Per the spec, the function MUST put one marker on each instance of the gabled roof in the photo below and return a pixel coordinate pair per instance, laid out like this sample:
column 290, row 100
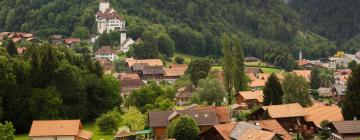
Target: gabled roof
column 174, row 71
column 185, row 92
column 274, row 126
column 105, row 50
column 285, row 110
column 255, row 134
column 202, row 117
column 225, row 130
column 253, row 95
column 347, row 127
column 58, row 128
column 149, row 62
column 318, row 114
column 240, row 129
column 257, row 83
column 109, row 13
column 254, row 70
column 222, row 112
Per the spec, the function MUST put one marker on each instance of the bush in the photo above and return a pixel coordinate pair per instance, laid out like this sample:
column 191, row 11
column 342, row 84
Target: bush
column 179, row 60
column 184, row 128
column 108, row 123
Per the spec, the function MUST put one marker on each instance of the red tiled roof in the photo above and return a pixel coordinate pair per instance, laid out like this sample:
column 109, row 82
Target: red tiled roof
column 72, row 40
column 285, row 110
column 274, row 126
column 222, row 112
column 225, row 130
column 303, row 62
column 58, row 128
column 317, row 114
column 255, row 134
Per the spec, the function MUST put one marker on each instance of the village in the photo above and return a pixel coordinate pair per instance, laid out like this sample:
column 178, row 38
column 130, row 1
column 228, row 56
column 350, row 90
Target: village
column 249, row 114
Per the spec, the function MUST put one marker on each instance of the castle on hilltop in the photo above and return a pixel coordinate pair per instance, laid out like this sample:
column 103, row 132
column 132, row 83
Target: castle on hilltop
column 108, row 19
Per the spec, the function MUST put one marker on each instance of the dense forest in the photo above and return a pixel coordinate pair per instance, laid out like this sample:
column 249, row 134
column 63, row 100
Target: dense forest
column 52, row 82
column 269, row 29
column 337, row 20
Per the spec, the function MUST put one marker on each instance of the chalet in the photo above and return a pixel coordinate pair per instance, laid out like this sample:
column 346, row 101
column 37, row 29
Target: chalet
column 175, row 71
column 134, row 65
column 129, row 82
column 293, row 116
column 106, row 52
column 290, row 116
column 316, row 114
column 152, row 72
column 273, row 126
column 238, row 131
column 71, row 42
column 222, row 112
column 160, row 120
column 184, row 94
column 250, row 98
column 58, row 130
column 345, row 130
column 325, row 92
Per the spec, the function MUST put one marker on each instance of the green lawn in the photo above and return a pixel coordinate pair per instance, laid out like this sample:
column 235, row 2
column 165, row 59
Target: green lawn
column 256, row 64
column 271, row 70
column 186, row 57
column 89, row 126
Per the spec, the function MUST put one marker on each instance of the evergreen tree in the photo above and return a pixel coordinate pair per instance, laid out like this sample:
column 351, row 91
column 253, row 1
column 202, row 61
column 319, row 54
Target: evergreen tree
column 240, row 81
column 351, row 106
column 315, row 80
column 10, row 48
column 227, row 65
column 273, row 91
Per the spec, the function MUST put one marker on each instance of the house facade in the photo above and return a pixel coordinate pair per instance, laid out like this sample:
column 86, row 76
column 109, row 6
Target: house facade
column 345, row 130
column 108, row 19
column 106, row 52
column 250, row 98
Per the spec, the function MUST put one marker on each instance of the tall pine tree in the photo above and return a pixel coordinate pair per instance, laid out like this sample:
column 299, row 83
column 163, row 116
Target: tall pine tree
column 240, row 80
column 227, row 65
column 273, row 91
column 351, row 104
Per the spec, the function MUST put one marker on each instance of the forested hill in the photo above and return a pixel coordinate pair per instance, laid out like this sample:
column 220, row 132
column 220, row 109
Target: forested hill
column 269, row 29
column 337, row 20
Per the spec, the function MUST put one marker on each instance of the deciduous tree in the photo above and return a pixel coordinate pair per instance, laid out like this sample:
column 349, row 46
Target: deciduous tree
column 296, row 90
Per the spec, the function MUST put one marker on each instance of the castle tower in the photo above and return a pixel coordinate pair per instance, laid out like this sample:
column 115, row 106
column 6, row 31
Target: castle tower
column 104, row 4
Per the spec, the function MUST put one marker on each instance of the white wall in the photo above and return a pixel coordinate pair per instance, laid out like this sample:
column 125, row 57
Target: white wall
column 65, row 138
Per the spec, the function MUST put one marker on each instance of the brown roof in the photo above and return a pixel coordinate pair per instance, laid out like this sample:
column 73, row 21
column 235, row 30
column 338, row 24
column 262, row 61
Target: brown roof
column 285, row 110
column 251, row 76
column 185, row 92
column 225, row 130
column 202, row 117
column 130, row 81
column 255, row 134
column 274, row 126
column 149, row 62
column 174, row 72
column 318, row 114
column 254, row 70
column 72, row 40
column 263, row 76
column 257, row 83
column 253, row 95
column 105, row 50
column 347, row 127
column 222, row 112
column 58, row 128
column 150, row 70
